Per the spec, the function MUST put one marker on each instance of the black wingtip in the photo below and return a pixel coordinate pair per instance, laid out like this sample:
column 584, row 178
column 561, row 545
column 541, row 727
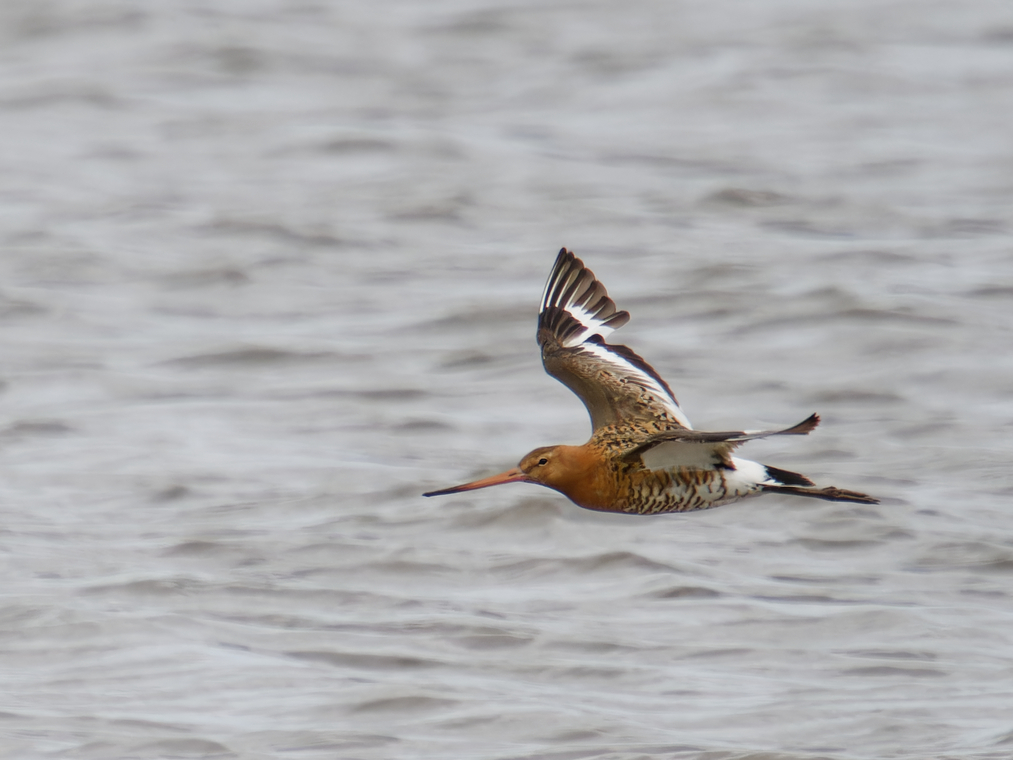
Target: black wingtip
column 572, row 286
column 805, row 427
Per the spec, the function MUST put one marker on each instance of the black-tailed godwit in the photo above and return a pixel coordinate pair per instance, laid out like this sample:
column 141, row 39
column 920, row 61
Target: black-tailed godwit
column 643, row 457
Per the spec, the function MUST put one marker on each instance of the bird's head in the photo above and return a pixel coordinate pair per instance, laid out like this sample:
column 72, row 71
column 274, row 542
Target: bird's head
column 552, row 466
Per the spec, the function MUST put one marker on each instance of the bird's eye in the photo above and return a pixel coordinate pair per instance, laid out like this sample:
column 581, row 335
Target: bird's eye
column 542, row 461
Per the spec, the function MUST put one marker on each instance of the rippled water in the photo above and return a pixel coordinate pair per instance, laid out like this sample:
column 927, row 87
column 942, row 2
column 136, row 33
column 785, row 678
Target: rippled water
column 270, row 270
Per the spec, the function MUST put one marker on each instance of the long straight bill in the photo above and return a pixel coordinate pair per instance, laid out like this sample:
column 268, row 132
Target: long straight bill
column 510, row 476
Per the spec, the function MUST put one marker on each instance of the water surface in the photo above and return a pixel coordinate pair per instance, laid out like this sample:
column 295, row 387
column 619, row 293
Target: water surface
column 270, row 270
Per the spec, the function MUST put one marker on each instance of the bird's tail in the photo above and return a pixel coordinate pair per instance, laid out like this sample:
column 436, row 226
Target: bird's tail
column 830, row 493
column 794, row 483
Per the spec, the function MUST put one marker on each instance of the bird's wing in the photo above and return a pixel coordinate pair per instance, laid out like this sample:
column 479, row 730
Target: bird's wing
column 614, row 383
column 701, row 450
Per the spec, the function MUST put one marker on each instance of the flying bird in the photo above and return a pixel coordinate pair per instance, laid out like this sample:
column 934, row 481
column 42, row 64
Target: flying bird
column 643, row 456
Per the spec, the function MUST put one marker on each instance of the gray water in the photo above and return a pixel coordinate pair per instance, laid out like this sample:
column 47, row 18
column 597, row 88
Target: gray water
column 269, row 270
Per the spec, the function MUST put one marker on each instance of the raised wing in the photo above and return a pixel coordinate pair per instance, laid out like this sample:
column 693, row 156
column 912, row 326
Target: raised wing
column 614, row 383
column 700, row 450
